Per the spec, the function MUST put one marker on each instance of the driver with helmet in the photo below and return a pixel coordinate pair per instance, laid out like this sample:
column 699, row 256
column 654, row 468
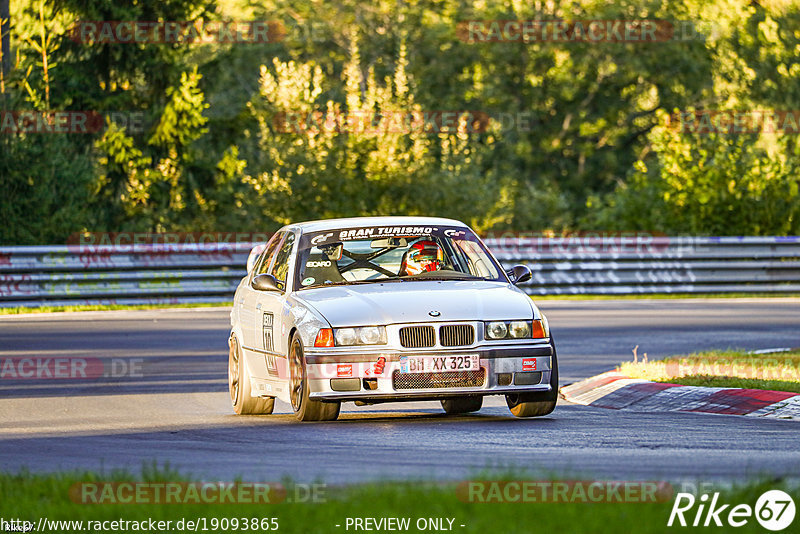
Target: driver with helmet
column 423, row 256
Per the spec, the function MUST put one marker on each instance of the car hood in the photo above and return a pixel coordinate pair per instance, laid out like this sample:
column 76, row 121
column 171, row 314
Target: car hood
column 411, row 302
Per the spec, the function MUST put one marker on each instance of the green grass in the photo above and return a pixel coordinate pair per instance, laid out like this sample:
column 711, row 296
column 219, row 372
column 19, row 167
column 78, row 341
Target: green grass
column 778, row 371
column 110, row 307
column 30, row 497
column 733, row 382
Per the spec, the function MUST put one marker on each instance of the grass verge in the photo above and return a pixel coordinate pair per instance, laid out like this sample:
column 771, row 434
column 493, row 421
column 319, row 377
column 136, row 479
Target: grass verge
column 779, row 371
column 733, row 382
column 32, row 497
column 110, row 307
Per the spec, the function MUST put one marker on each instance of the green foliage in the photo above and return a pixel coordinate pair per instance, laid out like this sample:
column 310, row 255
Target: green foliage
column 323, row 159
column 578, row 136
column 44, row 189
column 722, row 183
column 163, row 183
column 182, row 120
column 708, row 184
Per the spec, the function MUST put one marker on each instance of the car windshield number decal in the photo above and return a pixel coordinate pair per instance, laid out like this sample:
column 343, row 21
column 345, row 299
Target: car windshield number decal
column 434, row 364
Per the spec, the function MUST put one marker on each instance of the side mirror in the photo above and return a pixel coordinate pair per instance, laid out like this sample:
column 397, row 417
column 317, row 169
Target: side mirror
column 264, row 282
column 519, row 274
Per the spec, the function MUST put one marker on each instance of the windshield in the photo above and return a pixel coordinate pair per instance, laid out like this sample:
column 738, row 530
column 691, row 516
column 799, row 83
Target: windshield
column 392, row 253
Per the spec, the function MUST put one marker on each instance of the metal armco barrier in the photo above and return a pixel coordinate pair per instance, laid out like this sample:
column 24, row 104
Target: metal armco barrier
column 127, row 274
column 648, row 264
column 150, row 274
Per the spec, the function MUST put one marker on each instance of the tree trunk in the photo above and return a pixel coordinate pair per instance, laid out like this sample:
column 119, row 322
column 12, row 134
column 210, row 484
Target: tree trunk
column 5, row 42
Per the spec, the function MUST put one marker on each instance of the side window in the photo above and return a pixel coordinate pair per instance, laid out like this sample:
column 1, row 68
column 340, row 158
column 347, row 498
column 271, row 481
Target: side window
column 478, row 262
column 281, row 268
column 266, row 257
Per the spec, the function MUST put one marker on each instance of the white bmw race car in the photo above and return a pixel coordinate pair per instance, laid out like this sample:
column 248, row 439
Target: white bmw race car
column 386, row 309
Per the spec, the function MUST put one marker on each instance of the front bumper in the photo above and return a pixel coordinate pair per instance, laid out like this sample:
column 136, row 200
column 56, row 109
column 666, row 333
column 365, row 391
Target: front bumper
column 505, row 369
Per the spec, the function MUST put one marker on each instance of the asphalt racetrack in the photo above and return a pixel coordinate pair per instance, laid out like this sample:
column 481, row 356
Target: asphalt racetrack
column 176, row 407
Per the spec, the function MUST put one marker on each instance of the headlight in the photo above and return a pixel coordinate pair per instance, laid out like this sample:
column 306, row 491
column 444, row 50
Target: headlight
column 496, row 330
column 515, row 330
column 371, row 335
column 365, row 335
column 519, row 329
column 346, row 336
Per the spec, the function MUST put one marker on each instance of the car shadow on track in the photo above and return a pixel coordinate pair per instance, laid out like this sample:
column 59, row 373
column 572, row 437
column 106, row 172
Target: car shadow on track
column 492, row 415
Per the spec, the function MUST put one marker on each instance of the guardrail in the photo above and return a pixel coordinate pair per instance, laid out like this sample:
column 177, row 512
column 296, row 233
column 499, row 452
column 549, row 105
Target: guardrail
column 127, row 274
column 648, row 264
column 150, row 274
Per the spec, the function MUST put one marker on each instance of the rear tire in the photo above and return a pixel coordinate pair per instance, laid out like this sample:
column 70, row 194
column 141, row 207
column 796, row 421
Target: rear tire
column 462, row 405
column 239, row 385
column 305, row 408
column 539, row 403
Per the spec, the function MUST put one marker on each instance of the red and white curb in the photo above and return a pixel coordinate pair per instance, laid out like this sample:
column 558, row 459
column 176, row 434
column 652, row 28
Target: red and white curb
column 619, row 392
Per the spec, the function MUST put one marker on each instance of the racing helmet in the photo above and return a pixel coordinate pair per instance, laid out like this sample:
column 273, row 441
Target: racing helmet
column 423, row 256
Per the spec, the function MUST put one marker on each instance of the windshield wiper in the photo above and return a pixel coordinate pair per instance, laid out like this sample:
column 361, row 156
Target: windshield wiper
column 356, row 282
column 447, row 277
column 452, row 276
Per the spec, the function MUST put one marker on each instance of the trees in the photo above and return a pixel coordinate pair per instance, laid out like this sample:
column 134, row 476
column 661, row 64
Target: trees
column 369, row 155
column 577, row 136
column 724, row 182
column 5, row 41
column 708, row 184
column 43, row 192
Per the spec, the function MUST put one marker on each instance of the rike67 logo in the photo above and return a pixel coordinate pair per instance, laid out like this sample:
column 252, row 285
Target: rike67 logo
column 774, row 510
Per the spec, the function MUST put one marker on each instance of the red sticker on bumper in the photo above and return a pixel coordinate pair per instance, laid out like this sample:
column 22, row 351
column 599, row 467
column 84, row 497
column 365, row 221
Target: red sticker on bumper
column 529, row 364
column 344, row 370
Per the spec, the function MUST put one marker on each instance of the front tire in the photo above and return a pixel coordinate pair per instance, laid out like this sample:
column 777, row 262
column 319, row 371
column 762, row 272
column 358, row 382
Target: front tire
column 239, row 385
column 539, row 403
column 462, row 405
column 305, row 408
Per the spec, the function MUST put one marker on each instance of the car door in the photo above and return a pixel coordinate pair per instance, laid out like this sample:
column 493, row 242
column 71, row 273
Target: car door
column 247, row 301
column 269, row 310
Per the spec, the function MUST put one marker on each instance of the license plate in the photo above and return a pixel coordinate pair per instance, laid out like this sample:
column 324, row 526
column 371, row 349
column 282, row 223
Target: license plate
column 434, row 364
